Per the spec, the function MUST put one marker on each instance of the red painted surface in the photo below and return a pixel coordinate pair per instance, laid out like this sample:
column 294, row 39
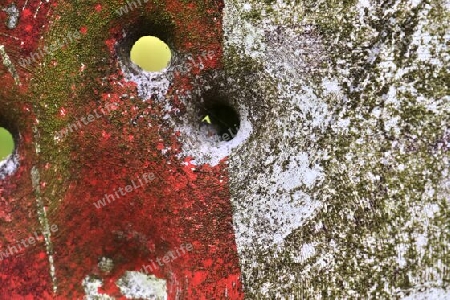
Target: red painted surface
column 182, row 205
column 24, row 275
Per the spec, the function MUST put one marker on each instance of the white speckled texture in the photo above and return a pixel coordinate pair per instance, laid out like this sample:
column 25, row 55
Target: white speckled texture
column 9, row 165
column 341, row 191
column 137, row 285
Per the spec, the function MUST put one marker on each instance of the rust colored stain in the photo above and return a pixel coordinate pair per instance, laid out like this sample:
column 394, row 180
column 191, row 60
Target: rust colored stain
column 183, row 204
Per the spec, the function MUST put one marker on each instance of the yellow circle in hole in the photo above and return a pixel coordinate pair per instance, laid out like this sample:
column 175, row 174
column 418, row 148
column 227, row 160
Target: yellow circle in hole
column 151, row 54
column 6, row 143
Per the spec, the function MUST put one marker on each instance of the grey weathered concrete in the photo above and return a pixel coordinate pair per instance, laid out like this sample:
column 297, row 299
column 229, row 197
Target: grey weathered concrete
column 342, row 190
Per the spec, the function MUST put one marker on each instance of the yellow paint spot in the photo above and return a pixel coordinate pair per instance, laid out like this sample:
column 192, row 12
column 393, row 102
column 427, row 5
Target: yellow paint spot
column 6, row 143
column 206, row 119
column 151, row 54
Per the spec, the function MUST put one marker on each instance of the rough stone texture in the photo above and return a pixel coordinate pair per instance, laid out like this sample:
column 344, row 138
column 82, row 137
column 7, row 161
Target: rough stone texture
column 339, row 176
column 343, row 190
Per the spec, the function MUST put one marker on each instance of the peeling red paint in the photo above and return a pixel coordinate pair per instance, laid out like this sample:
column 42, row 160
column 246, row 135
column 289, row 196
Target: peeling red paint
column 26, row 34
column 184, row 204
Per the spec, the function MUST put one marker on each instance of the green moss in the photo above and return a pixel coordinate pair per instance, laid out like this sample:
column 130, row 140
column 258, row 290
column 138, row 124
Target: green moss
column 62, row 85
column 254, row 15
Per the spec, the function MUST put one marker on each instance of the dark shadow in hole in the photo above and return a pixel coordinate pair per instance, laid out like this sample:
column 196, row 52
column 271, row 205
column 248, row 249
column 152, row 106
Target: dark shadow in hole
column 221, row 116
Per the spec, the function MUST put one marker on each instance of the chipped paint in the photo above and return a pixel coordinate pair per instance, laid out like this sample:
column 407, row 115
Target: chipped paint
column 13, row 16
column 136, row 285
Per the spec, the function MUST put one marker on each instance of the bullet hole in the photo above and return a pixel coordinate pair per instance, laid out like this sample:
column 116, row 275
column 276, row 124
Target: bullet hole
column 221, row 120
column 7, row 144
column 150, row 54
column 146, row 45
column 214, row 122
column 218, row 116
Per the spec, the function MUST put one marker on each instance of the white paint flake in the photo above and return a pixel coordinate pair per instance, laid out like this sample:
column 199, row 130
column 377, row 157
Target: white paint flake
column 137, row 285
column 91, row 286
column 13, row 16
column 9, row 165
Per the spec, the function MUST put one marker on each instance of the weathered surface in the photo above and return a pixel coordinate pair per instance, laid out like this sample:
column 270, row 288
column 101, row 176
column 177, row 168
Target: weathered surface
column 343, row 191
column 338, row 177
column 85, row 132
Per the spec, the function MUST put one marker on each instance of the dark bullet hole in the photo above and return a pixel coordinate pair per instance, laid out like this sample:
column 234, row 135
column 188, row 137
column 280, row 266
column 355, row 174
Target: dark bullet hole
column 221, row 119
